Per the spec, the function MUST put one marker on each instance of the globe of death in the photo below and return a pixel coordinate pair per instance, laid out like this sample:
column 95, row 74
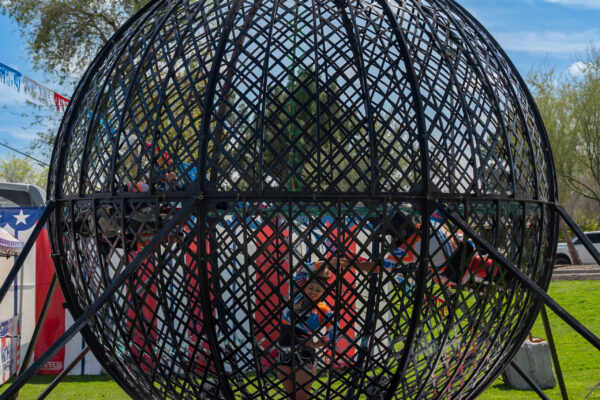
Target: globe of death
column 300, row 199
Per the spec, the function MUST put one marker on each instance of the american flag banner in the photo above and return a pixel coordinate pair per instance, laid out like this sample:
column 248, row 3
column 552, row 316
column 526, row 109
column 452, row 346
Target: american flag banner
column 25, row 301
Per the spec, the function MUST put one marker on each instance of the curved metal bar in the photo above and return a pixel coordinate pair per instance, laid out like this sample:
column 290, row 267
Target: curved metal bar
column 520, row 111
column 170, row 72
column 529, row 381
column 418, row 302
column 524, row 279
column 385, row 67
column 416, row 94
column 65, row 126
column 62, row 375
column 215, row 72
column 354, row 37
column 552, row 181
column 499, row 116
column 82, row 321
column 264, row 91
column 463, row 103
column 509, row 355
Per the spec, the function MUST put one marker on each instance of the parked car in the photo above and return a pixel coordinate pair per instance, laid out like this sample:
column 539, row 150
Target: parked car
column 564, row 257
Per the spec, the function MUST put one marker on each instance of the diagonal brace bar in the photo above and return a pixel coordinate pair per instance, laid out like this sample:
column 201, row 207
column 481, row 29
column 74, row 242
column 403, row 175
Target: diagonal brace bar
column 554, row 355
column 529, row 381
column 39, row 324
column 83, row 320
column 26, row 249
column 38, row 327
column 579, row 233
column 64, row 373
column 521, row 277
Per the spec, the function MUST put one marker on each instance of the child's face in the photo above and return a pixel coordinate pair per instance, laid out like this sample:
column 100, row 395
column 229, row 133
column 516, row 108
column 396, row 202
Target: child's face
column 314, row 291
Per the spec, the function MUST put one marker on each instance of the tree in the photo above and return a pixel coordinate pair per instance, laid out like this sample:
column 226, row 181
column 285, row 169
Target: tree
column 299, row 149
column 18, row 170
column 552, row 94
column 570, row 109
column 586, row 114
column 61, row 33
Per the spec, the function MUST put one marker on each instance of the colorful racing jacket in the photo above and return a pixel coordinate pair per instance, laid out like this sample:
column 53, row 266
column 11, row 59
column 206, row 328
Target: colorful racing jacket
column 311, row 319
column 443, row 243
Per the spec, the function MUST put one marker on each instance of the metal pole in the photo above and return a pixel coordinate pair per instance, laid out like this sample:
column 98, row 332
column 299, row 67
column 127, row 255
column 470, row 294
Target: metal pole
column 38, row 327
column 96, row 305
column 26, row 249
column 64, row 373
column 578, row 232
column 521, row 277
column 559, row 375
column 39, row 324
column 529, row 381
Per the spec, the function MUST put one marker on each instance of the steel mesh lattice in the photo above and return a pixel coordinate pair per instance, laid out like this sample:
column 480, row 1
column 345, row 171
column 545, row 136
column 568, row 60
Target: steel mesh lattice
column 303, row 128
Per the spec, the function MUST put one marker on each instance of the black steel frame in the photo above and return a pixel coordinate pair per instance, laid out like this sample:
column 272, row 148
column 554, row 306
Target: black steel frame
column 212, row 149
column 12, row 392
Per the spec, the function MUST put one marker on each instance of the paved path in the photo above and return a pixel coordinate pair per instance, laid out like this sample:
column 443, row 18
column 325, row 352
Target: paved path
column 576, row 272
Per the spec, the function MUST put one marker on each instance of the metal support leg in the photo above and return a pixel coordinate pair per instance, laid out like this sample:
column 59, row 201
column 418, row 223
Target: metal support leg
column 64, row 373
column 559, row 375
column 521, row 277
column 82, row 321
column 38, row 327
column 39, row 324
column 529, row 381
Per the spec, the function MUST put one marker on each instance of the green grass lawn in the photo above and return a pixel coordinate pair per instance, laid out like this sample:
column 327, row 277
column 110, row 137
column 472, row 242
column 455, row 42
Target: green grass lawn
column 580, row 361
column 73, row 388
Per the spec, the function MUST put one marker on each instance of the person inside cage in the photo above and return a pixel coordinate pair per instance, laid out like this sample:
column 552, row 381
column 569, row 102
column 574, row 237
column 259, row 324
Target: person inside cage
column 142, row 217
column 164, row 175
column 452, row 259
column 305, row 327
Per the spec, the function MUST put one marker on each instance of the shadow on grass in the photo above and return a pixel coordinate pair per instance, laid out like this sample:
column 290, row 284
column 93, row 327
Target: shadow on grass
column 504, row 387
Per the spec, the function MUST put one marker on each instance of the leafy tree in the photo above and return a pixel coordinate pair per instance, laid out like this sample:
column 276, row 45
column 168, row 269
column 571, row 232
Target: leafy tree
column 299, row 148
column 63, row 38
column 570, row 108
column 18, row 170
column 553, row 93
column 586, row 115
column 61, row 33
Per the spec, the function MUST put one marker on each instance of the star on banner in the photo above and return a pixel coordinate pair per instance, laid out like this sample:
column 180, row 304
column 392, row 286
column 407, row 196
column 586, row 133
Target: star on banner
column 21, row 218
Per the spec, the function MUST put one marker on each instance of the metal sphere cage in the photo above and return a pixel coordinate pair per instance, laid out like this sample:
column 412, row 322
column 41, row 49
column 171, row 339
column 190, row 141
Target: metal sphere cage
column 223, row 149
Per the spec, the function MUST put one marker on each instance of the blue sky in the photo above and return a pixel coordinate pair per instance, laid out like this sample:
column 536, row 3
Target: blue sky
column 534, row 33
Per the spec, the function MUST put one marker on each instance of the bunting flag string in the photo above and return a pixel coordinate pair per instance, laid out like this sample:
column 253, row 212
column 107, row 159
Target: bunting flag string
column 61, row 102
column 36, row 91
column 10, row 77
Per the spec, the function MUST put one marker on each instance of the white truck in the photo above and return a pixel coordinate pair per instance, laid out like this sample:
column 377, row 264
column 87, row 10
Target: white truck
column 564, row 257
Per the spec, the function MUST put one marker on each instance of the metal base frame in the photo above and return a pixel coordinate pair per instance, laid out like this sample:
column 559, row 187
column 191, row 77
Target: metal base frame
column 26, row 374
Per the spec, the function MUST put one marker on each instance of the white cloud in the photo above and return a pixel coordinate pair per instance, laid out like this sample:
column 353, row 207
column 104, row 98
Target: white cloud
column 25, row 135
column 577, row 3
column 550, row 42
column 576, row 69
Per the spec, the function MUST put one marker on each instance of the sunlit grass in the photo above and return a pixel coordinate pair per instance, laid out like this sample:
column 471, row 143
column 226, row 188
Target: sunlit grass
column 580, row 361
